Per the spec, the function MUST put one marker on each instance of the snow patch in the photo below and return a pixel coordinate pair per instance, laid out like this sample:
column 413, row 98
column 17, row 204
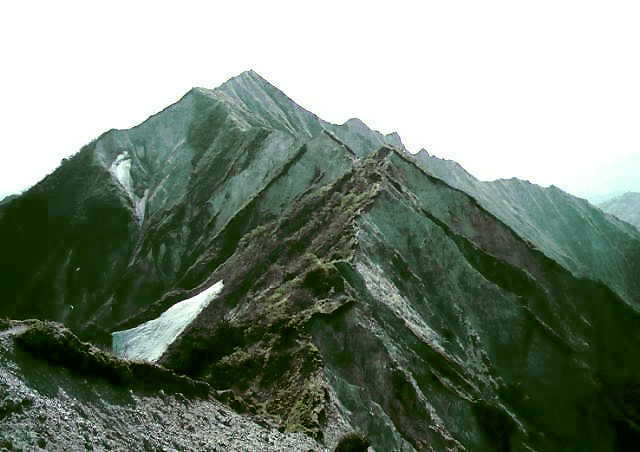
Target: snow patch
column 151, row 339
column 121, row 170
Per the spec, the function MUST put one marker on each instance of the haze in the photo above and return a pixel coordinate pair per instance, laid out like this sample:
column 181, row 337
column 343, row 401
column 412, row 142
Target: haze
column 546, row 91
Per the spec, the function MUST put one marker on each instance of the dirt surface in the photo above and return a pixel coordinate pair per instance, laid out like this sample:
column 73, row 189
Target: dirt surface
column 47, row 407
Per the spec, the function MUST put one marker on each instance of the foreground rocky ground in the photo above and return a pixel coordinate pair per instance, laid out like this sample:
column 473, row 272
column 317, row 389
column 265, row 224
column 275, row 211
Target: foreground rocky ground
column 49, row 407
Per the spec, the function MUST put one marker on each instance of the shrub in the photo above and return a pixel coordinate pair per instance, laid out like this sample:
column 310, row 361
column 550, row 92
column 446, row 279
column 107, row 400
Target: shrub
column 352, row 442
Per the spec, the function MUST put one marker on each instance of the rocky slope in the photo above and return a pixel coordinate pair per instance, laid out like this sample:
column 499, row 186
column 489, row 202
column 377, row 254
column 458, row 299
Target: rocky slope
column 626, row 207
column 46, row 405
column 364, row 289
column 569, row 230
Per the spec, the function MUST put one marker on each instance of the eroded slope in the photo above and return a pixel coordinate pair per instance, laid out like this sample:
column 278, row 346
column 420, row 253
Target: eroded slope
column 395, row 304
column 567, row 229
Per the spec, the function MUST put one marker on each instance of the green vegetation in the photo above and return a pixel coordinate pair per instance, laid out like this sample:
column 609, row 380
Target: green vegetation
column 352, row 442
column 52, row 342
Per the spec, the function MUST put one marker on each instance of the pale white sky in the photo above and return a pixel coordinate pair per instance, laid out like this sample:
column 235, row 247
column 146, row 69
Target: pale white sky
column 547, row 91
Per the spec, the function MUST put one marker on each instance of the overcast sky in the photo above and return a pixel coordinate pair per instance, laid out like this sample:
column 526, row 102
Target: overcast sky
column 547, row 91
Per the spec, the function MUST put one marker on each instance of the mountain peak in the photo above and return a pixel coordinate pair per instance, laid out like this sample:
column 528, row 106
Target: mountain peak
column 495, row 311
column 249, row 75
column 261, row 103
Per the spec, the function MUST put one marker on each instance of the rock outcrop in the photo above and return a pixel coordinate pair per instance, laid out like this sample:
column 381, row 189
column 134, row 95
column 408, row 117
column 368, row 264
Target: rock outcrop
column 365, row 289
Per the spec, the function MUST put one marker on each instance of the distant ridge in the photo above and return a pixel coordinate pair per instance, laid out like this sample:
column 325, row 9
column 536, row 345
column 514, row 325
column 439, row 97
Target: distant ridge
column 626, row 207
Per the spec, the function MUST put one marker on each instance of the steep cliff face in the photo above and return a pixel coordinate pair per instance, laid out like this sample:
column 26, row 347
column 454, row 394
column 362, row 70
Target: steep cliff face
column 569, row 230
column 364, row 289
column 625, row 207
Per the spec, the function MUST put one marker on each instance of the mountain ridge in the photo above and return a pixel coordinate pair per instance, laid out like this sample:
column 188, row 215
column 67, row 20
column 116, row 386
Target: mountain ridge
column 626, row 207
column 365, row 289
column 534, row 212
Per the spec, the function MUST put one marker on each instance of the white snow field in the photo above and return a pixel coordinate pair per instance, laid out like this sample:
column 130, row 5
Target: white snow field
column 149, row 340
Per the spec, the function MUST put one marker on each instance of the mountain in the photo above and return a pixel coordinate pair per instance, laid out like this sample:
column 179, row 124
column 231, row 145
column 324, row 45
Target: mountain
column 318, row 279
column 613, row 179
column 626, row 207
column 567, row 229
